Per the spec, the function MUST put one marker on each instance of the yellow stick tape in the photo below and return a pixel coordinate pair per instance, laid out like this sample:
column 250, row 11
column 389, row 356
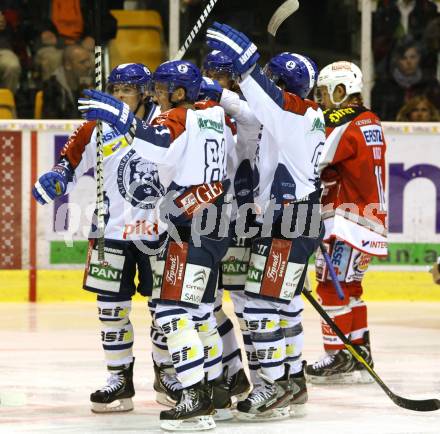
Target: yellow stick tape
column 66, row 285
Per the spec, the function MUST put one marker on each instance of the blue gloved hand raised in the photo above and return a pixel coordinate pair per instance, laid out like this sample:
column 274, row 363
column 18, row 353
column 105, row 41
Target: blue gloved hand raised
column 104, row 107
column 236, row 45
column 52, row 184
column 210, row 90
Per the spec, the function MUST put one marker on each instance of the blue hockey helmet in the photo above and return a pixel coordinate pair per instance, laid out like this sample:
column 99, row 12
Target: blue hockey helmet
column 217, row 61
column 297, row 72
column 180, row 73
column 131, row 73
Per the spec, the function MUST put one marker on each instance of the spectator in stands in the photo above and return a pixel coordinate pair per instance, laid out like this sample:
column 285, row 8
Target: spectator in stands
column 396, row 19
column 61, row 91
column 418, row 109
column 10, row 68
column 406, row 80
column 431, row 42
column 58, row 23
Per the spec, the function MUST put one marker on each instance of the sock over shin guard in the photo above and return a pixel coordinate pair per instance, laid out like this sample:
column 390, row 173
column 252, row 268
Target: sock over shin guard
column 360, row 323
column 343, row 317
column 159, row 346
column 291, row 317
column 212, row 347
column 184, row 344
column 116, row 331
column 268, row 340
column 239, row 298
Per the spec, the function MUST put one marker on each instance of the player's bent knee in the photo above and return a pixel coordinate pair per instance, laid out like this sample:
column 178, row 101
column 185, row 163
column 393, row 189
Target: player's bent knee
column 114, row 313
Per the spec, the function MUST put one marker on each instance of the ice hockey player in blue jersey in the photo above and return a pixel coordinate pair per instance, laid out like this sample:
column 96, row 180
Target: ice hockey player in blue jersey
column 287, row 195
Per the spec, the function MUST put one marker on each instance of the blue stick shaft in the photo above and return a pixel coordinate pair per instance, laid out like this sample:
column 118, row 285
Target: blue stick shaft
column 331, row 269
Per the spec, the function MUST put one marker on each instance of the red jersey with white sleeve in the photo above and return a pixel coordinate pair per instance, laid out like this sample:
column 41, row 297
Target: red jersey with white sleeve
column 352, row 168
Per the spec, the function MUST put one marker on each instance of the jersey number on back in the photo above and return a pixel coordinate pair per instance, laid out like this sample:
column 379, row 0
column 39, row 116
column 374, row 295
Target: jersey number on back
column 214, row 160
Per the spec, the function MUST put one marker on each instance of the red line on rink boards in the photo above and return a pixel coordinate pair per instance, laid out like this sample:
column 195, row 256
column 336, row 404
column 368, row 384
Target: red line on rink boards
column 33, row 223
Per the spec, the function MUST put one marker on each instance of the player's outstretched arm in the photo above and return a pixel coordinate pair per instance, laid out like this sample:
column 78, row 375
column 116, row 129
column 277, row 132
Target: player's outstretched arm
column 152, row 142
column 262, row 95
column 53, row 184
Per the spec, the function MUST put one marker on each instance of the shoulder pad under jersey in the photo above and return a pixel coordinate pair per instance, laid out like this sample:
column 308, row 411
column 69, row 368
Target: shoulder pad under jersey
column 339, row 116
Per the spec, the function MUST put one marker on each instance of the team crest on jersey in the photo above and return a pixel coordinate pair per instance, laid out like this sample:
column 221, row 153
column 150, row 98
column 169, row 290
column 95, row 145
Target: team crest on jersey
column 138, row 181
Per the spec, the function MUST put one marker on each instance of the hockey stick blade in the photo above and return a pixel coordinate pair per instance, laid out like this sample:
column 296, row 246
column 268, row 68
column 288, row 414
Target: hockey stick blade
column 409, row 404
column 279, row 16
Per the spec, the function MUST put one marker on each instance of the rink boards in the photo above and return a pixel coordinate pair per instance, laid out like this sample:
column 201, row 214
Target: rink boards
column 51, row 239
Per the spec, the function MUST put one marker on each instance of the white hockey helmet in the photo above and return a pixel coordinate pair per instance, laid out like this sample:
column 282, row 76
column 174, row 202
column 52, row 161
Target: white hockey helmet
column 341, row 72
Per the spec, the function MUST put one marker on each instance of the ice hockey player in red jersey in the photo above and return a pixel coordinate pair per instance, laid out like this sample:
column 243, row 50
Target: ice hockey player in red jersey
column 354, row 212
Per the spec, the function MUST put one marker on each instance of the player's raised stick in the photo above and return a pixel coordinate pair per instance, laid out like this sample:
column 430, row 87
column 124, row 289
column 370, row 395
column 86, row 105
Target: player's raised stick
column 288, row 8
column 99, row 149
column 192, row 34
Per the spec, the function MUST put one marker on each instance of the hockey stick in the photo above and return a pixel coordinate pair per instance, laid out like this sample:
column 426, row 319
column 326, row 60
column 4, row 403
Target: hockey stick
column 99, row 146
column 195, row 30
column 284, row 11
column 332, row 272
column 409, row 404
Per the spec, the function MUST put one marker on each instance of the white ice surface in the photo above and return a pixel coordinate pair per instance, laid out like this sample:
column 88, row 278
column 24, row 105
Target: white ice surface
column 51, row 360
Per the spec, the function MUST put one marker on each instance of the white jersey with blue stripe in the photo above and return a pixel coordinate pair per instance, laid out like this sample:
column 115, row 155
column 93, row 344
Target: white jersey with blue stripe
column 248, row 137
column 287, row 158
column 189, row 146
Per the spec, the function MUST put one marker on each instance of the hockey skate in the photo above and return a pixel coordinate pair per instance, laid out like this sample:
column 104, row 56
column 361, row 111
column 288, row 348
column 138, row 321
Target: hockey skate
column 193, row 412
column 365, row 351
column 296, row 383
column 221, row 398
column 238, row 384
column 167, row 386
column 269, row 400
column 116, row 395
column 333, row 368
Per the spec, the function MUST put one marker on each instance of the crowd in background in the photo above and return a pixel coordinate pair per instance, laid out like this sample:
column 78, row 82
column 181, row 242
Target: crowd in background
column 48, row 45
column 406, row 47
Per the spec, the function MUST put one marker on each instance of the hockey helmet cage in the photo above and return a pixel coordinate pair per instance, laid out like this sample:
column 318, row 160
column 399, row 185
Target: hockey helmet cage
column 180, row 73
column 297, row 72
